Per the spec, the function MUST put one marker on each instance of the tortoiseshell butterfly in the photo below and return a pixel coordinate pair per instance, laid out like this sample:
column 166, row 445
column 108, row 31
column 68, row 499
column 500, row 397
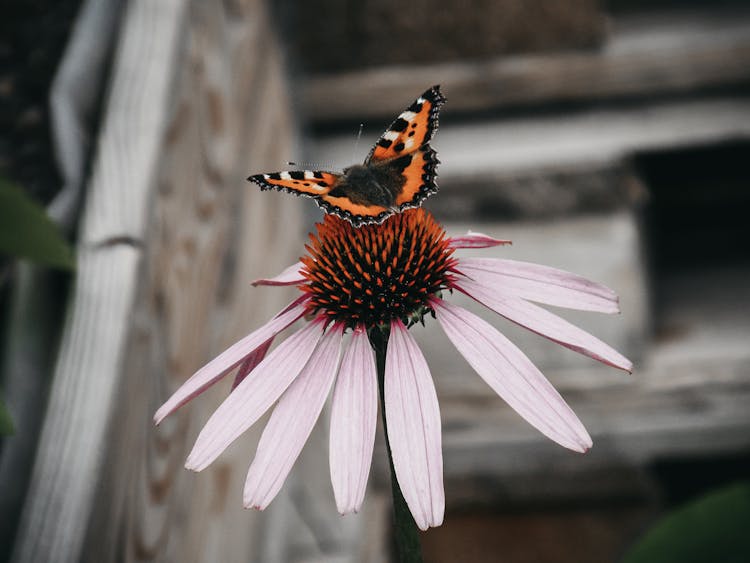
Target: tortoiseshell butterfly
column 398, row 174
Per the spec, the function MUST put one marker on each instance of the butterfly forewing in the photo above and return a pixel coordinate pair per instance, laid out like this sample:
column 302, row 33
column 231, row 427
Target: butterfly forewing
column 311, row 183
column 413, row 128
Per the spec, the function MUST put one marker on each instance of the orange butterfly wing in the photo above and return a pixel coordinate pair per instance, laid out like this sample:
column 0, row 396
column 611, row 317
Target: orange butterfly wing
column 307, row 183
column 318, row 185
column 419, row 179
column 357, row 214
column 412, row 129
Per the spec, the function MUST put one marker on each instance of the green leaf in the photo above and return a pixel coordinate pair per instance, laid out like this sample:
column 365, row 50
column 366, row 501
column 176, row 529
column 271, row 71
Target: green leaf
column 27, row 232
column 714, row 528
column 6, row 422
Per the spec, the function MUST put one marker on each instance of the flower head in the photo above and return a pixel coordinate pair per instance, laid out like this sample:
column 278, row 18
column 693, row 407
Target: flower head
column 378, row 280
column 371, row 275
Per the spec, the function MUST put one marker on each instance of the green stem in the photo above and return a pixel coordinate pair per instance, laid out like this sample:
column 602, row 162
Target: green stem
column 406, row 532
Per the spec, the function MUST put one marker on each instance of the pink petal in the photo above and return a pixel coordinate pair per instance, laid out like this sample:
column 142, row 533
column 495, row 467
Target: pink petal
column 512, row 376
column 254, row 396
column 540, row 283
column 475, row 240
column 413, row 415
column 228, row 360
column 291, row 422
column 251, row 362
column 290, row 276
column 546, row 324
column 354, row 413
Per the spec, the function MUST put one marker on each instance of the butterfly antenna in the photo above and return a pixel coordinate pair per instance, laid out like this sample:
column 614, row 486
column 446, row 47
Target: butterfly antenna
column 356, row 142
column 311, row 165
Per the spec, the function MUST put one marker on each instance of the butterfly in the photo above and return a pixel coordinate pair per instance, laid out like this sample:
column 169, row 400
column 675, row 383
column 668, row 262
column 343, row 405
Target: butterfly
column 398, row 174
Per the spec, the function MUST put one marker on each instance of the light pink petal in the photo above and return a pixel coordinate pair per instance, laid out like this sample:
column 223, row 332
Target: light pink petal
column 546, row 324
column 413, row 416
column 228, row 360
column 475, row 240
column 354, row 414
column 540, row 283
column 251, row 362
column 290, row 276
column 254, row 395
column 512, row 376
column 291, row 422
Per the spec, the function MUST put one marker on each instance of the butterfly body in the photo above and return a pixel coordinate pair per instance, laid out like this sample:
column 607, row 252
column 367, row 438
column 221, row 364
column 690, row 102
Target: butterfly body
column 398, row 174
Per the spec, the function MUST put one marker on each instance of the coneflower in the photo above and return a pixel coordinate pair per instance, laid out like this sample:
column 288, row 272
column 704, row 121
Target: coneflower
column 374, row 282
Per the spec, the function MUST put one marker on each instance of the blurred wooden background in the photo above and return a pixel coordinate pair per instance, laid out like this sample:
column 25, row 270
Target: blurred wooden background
column 609, row 139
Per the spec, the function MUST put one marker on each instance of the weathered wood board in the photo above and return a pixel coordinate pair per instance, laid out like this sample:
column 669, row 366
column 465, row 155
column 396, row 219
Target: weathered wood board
column 172, row 238
column 644, row 55
column 687, row 396
column 585, row 140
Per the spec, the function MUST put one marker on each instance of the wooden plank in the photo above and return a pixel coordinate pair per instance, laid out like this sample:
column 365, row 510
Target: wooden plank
column 209, row 236
column 689, row 407
column 70, row 452
column 645, row 55
column 171, row 239
column 169, row 247
column 634, row 422
column 598, row 138
column 541, row 194
column 687, row 398
column 354, row 33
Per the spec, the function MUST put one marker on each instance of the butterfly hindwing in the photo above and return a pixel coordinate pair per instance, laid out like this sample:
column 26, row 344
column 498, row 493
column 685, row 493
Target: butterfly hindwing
column 413, row 128
column 357, row 214
column 418, row 178
column 343, row 202
column 308, row 183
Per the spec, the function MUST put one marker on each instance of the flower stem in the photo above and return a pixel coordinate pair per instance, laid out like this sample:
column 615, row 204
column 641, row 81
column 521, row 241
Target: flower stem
column 406, row 532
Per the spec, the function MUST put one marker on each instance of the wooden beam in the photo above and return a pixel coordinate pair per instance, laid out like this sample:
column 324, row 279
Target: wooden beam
column 171, row 239
column 83, row 393
column 691, row 410
column 687, row 396
column 588, row 139
column 645, row 55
